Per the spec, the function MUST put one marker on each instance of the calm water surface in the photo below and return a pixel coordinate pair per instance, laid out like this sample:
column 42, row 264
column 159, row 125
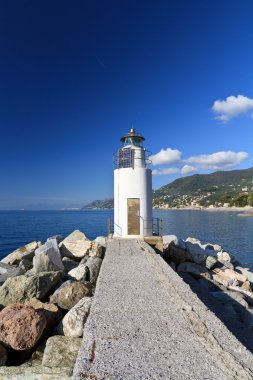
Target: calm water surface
column 233, row 233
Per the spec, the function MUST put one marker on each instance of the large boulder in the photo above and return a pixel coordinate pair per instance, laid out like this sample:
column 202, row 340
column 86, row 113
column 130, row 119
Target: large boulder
column 58, row 238
column 25, row 264
column 176, row 254
column 96, row 250
column 23, row 288
column 79, row 273
column 26, row 252
column 69, row 264
column 196, row 270
column 224, row 256
column 167, row 239
column 197, row 253
column 227, row 276
column 61, row 351
column 245, row 272
column 7, row 271
column 75, row 245
column 101, row 240
column 51, row 311
column 21, row 326
column 73, row 322
column 70, row 293
column 93, row 264
column 76, row 235
column 48, row 258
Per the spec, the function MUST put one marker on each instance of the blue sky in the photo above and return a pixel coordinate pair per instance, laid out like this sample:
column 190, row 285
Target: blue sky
column 75, row 76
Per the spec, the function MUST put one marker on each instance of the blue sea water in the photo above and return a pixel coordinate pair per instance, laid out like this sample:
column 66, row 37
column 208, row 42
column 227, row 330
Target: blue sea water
column 233, row 233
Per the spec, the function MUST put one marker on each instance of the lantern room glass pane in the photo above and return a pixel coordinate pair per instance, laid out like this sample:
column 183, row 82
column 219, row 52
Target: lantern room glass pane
column 133, row 141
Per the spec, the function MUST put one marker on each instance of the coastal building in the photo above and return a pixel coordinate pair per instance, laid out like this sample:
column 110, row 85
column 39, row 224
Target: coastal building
column 132, row 188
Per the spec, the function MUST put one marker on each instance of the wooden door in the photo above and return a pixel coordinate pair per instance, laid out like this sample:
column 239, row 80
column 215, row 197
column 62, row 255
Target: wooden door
column 133, row 211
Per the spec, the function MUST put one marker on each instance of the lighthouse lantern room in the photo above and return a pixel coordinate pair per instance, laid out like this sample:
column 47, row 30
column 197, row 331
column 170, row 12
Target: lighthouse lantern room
column 132, row 188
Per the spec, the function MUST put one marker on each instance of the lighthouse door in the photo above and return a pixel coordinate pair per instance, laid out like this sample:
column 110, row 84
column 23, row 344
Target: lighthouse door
column 133, row 210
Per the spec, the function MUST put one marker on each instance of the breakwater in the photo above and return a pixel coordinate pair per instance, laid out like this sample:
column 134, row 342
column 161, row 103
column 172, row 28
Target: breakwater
column 183, row 313
column 45, row 296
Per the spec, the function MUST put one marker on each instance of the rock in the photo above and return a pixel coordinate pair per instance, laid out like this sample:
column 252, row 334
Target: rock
column 197, row 253
column 21, row 326
column 48, row 258
column 194, row 269
column 58, row 238
column 23, row 288
column 246, row 273
column 181, row 244
column 75, row 245
column 246, row 286
column 26, row 252
column 207, row 246
column 70, row 293
column 37, row 372
column 167, row 239
column 173, row 266
column 73, row 323
column 69, row 264
column 193, row 240
column 101, row 240
column 76, row 235
column 93, row 264
column 96, row 250
column 176, row 254
column 222, row 264
column 240, row 290
column 51, row 311
column 227, row 276
column 25, row 265
column 7, row 271
column 75, row 249
column 61, row 351
column 224, row 256
column 37, row 356
column 210, row 262
column 3, row 355
column 79, row 273
column 84, row 259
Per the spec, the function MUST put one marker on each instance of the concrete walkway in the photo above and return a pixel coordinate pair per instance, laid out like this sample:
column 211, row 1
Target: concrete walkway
column 145, row 323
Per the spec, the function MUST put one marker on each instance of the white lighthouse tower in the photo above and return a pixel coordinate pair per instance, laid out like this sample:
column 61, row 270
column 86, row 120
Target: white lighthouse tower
column 132, row 189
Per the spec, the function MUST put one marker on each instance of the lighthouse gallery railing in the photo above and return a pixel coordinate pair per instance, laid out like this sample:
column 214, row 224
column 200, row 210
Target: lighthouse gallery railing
column 126, row 158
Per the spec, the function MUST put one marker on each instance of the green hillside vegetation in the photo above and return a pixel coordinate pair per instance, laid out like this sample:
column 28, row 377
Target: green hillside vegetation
column 106, row 204
column 230, row 188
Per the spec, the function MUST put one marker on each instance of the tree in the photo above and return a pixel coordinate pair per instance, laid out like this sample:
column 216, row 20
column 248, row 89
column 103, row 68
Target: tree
column 241, row 200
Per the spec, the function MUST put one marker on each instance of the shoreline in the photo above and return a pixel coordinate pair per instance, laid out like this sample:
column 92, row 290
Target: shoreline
column 247, row 210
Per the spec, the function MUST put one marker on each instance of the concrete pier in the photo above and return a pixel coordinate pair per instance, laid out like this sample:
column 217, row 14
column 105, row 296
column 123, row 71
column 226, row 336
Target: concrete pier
column 146, row 323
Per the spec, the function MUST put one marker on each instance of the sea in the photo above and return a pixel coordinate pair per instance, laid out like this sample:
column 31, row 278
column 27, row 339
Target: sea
column 232, row 232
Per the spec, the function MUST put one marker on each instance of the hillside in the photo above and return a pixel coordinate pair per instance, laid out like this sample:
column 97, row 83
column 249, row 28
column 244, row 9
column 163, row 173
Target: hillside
column 233, row 187
column 106, row 204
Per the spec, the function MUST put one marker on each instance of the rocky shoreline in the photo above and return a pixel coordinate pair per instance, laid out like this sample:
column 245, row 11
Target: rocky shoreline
column 45, row 297
column 47, row 289
column 243, row 210
column 218, row 279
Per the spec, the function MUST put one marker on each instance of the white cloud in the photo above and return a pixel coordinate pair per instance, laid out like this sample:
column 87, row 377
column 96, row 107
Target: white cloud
column 232, row 107
column 166, row 156
column 184, row 170
column 165, row 171
column 188, row 169
column 219, row 160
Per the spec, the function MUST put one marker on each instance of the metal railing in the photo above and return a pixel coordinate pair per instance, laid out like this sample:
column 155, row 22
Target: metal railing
column 157, row 226
column 126, row 158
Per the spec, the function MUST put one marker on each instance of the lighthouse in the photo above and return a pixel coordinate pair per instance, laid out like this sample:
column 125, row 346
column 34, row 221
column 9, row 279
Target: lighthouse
column 132, row 188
